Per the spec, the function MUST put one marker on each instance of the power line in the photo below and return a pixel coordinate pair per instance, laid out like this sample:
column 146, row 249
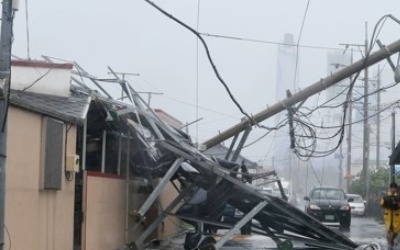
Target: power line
column 298, row 41
column 216, row 72
column 197, row 69
column 243, row 39
column 27, row 31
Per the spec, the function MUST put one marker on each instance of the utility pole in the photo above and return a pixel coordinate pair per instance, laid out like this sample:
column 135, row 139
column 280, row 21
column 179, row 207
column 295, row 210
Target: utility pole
column 378, row 118
column 5, row 62
column 366, row 130
column 350, row 121
column 341, row 167
column 392, row 167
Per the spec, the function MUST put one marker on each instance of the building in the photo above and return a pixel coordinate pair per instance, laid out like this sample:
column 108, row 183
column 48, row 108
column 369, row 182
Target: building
column 287, row 79
column 69, row 182
column 42, row 129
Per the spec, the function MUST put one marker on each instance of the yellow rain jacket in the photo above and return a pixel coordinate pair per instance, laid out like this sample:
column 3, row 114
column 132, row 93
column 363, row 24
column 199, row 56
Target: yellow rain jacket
column 390, row 203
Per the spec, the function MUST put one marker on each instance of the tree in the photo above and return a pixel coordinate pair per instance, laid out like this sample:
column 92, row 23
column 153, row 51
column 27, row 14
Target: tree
column 378, row 182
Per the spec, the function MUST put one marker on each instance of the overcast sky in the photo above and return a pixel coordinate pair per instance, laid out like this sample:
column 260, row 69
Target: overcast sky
column 131, row 36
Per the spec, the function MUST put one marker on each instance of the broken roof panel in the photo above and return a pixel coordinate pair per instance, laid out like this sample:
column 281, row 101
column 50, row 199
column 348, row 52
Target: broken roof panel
column 72, row 109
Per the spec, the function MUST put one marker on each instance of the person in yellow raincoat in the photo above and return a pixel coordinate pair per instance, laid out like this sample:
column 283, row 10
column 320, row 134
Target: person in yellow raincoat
column 391, row 204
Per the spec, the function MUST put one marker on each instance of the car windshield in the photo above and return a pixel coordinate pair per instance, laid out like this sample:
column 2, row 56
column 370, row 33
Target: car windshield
column 330, row 194
column 357, row 199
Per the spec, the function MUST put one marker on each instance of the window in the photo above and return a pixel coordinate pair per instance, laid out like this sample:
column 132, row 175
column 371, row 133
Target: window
column 52, row 154
column 330, row 194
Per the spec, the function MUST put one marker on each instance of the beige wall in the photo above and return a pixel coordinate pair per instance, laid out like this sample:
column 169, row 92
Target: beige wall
column 171, row 225
column 104, row 209
column 37, row 220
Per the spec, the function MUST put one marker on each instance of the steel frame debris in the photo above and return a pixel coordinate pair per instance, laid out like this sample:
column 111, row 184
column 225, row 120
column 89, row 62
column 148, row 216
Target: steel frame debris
column 169, row 149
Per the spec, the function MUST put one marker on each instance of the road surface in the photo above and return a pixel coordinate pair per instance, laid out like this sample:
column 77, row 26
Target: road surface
column 363, row 231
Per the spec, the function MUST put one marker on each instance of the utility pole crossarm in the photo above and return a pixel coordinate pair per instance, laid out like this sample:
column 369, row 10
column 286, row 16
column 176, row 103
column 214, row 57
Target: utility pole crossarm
column 307, row 92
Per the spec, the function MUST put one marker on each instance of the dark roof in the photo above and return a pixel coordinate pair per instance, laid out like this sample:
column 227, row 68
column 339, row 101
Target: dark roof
column 395, row 157
column 72, row 109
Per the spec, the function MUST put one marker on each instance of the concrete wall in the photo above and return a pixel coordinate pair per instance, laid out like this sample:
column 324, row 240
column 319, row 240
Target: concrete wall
column 36, row 220
column 49, row 78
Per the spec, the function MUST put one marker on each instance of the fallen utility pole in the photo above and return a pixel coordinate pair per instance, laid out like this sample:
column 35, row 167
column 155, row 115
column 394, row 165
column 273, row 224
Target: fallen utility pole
column 307, row 92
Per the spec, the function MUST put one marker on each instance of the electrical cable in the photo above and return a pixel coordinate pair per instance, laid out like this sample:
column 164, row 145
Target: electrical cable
column 298, row 42
column 267, row 133
column 377, row 29
column 214, row 67
column 267, row 42
column 197, row 71
column 44, row 75
column 27, row 31
column 361, row 120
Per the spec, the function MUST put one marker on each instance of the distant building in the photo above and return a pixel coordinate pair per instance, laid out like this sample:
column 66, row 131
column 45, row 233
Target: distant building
column 287, row 79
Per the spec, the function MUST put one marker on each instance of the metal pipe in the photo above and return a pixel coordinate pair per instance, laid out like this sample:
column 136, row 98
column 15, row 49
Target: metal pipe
column 307, row 92
column 392, row 167
column 103, row 151
column 159, row 188
column 127, row 183
column 161, row 217
column 84, row 141
column 241, row 223
column 228, row 154
column 239, row 148
column 119, row 155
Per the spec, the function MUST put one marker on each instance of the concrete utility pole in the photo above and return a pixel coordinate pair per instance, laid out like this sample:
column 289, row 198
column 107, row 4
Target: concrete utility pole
column 5, row 62
column 349, row 131
column 305, row 93
column 366, row 130
column 378, row 118
column 392, row 167
column 350, row 121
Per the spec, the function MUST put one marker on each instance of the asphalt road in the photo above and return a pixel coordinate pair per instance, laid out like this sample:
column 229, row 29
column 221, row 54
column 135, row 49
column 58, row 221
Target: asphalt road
column 363, row 231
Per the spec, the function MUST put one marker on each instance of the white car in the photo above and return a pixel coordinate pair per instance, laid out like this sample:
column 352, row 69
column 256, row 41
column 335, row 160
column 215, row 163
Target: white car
column 357, row 205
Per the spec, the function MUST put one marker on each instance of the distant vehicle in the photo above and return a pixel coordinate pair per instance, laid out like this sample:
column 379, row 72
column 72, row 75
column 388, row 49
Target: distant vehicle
column 357, row 205
column 329, row 205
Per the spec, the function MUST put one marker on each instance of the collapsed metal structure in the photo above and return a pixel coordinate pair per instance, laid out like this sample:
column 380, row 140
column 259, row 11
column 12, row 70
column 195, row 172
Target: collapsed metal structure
column 208, row 185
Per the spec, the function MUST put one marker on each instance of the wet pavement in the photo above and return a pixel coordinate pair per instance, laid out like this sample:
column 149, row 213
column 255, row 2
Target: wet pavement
column 363, row 231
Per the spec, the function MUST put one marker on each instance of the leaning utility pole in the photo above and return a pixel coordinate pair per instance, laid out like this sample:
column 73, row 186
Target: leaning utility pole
column 306, row 93
column 378, row 118
column 5, row 58
column 349, row 134
column 366, row 128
